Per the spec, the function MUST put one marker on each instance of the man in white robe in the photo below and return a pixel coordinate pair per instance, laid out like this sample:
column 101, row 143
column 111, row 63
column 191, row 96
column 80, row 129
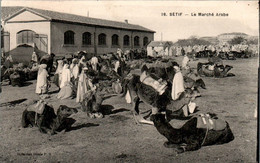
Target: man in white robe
column 74, row 68
column 94, row 62
column 57, row 75
column 42, row 85
column 82, row 86
column 177, row 84
column 117, row 65
column 65, row 76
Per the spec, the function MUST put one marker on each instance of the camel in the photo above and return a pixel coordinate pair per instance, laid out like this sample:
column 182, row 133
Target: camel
column 189, row 137
column 202, row 69
column 139, row 91
column 48, row 121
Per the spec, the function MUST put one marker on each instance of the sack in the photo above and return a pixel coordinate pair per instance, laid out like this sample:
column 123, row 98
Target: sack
column 206, row 122
column 211, row 67
column 159, row 85
column 38, row 107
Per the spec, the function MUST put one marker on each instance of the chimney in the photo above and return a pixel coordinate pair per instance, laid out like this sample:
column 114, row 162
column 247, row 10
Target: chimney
column 126, row 21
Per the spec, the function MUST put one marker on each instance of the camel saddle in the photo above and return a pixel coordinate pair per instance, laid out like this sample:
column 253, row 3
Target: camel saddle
column 159, row 85
column 207, row 122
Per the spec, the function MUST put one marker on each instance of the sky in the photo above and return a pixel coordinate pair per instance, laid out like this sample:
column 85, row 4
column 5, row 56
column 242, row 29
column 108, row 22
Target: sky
column 238, row 16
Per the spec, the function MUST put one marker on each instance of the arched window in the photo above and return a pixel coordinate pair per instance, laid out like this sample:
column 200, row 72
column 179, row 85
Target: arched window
column 86, row 38
column 145, row 41
column 136, row 41
column 126, row 40
column 115, row 39
column 25, row 36
column 102, row 39
column 69, row 37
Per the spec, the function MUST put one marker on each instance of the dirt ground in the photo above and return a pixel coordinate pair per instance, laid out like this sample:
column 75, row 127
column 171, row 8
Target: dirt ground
column 116, row 137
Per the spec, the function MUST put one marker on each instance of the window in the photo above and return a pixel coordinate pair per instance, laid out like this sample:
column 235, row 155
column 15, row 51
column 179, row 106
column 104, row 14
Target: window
column 102, row 39
column 86, row 38
column 136, row 41
column 69, row 37
column 126, row 40
column 145, row 41
column 26, row 36
column 115, row 39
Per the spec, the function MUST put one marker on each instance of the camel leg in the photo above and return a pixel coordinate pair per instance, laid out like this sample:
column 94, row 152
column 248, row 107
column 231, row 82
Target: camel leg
column 135, row 109
column 144, row 121
column 168, row 144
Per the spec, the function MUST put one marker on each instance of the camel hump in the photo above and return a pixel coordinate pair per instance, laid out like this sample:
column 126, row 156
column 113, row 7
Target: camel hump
column 212, row 123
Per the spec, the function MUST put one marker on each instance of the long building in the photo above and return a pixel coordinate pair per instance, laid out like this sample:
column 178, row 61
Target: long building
column 62, row 33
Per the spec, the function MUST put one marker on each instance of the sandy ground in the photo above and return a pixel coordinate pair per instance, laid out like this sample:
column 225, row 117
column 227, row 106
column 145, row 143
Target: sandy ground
column 116, row 138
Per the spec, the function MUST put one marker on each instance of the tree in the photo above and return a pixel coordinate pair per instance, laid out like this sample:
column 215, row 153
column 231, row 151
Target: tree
column 192, row 41
column 237, row 40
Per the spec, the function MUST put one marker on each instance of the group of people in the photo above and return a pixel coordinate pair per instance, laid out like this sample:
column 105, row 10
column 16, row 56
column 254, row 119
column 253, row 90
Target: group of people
column 71, row 78
column 180, row 51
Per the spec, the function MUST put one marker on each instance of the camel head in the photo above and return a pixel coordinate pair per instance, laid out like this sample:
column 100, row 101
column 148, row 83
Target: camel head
column 200, row 83
column 65, row 111
column 158, row 118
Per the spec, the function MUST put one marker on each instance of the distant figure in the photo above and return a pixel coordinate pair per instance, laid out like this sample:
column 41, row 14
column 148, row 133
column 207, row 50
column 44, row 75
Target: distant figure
column 74, row 68
column 119, row 53
column 34, row 57
column 94, row 62
column 42, row 84
column 182, row 52
column 65, row 76
column 185, row 62
column 117, row 64
column 57, row 75
column 84, row 86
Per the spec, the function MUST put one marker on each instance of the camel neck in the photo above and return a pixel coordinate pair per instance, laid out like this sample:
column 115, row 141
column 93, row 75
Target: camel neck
column 172, row 134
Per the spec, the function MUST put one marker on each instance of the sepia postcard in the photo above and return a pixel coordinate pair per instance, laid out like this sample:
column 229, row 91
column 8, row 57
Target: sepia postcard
column 129, row 81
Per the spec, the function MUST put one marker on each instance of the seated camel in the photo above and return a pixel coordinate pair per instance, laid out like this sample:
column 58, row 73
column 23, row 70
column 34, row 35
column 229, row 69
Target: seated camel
column 48, row 121
column 206, row 69
column 194, row 133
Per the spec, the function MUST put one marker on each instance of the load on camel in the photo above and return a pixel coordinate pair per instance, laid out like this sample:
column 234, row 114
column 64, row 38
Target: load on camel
column 212, row 70
column 19, row 74
column 201, row 130
column 192, row 81
column 158, row 95
column 42, row 115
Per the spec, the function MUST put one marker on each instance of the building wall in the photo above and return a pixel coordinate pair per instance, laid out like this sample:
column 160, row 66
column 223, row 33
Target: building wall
column 26, row 21
column 38, row 27
column 5, row 40
column 57, row 38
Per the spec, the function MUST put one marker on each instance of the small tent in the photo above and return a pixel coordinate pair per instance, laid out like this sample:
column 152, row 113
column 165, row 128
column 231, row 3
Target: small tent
column 23, row 54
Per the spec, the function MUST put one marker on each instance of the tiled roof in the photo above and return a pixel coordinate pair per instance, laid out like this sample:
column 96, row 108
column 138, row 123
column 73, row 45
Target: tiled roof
column 64, row 17
column 8, row 11
column 159, row 43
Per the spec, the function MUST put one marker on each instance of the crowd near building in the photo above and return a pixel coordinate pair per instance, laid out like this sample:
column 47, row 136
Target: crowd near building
column 62, row 33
